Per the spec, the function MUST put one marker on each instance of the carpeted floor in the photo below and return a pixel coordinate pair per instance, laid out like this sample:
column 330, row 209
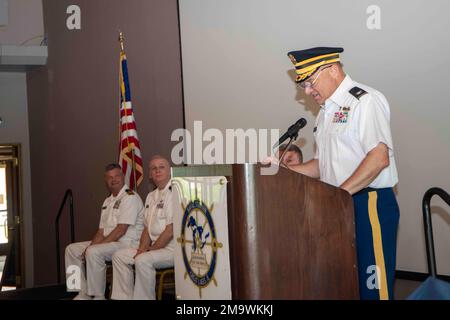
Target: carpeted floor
column 403, row 288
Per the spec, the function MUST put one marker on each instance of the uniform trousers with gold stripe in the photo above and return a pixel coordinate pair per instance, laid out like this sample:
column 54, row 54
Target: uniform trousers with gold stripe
column 376, row 220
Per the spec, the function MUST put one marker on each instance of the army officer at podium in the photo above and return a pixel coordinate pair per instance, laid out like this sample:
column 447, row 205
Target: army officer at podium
column 354, row 151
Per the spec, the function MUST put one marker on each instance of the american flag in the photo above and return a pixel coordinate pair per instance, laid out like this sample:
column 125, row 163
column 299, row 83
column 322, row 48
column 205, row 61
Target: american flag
column 129, row 149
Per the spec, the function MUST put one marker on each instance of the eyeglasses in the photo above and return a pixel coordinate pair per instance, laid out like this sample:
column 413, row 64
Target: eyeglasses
column 310, row 84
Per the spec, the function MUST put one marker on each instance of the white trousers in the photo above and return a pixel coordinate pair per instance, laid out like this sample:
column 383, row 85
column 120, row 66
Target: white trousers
column 125, row 287
column 93, row 268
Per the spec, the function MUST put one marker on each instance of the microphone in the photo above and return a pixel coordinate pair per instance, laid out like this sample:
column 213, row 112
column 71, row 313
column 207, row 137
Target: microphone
column 292, row 132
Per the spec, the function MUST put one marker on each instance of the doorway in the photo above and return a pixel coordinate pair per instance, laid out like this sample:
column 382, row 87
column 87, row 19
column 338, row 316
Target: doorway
column 10, row 217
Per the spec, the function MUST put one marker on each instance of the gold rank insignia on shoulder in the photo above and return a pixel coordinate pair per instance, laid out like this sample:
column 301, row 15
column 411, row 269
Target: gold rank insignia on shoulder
column 103, row 208
column 129, row 191
column 116, row 204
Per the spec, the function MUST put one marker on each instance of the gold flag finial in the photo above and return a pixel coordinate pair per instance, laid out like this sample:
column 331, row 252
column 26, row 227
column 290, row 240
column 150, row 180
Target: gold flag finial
column 121, row 39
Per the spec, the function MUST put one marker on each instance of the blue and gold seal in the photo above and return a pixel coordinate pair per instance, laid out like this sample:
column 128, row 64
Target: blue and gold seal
column 199, row 244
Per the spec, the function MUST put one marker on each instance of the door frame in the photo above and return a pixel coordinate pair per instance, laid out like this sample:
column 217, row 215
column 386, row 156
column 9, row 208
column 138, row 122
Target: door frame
column 11, row 152
column 4, row 247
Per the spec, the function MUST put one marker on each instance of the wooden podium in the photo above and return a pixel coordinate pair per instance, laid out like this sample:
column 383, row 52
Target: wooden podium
column 290, row 236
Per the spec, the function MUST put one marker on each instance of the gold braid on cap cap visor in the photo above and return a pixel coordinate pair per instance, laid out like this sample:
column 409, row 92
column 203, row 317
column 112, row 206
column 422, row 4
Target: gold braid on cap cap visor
column 307, row 67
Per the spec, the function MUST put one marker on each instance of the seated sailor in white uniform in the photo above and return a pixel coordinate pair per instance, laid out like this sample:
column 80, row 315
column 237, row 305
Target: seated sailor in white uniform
column 121, row 224
column 156, row 245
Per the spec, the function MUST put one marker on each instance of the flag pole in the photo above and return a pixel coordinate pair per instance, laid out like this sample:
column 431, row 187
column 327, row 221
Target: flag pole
column 120, row 104
column 133, row 162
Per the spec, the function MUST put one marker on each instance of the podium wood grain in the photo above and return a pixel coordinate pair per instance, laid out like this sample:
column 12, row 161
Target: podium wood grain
column 291, row 237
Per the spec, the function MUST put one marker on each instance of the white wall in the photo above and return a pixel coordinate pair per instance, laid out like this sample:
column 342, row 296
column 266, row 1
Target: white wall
column 25, row 27
column 237, row 75
column 25, row 23
column 14, row 129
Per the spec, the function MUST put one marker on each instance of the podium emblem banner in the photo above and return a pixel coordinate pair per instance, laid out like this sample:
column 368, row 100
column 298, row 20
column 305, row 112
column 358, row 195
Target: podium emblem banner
column 202, row 263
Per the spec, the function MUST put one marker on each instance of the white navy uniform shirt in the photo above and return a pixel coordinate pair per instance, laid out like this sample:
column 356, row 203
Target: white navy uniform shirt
column 347, row 129
column 159, row 213
column 124, row 208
